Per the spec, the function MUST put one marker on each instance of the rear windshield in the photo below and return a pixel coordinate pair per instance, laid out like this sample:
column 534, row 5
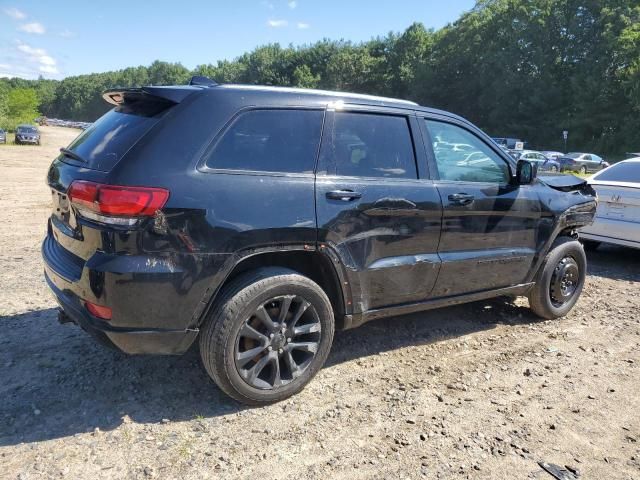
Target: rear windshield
column 107, row 140
column 621, row 172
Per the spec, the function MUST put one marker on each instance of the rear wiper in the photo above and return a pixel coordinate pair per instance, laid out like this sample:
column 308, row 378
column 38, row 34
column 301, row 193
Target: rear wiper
column 71, row 154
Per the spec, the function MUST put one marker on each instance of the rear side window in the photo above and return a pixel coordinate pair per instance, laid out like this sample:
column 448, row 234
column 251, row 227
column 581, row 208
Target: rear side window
column 369, row 145
column 621, row 172
column 106, row 141
column 269, row 141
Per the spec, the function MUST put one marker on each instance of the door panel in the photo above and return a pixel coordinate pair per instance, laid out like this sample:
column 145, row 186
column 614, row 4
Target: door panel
column 387, row 239
column 384, row 230
column 489, row 226
column 488, row 243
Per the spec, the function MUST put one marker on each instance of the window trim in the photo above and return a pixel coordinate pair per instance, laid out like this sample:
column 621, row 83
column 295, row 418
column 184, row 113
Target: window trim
column 433, row 165
column 413, row 129
column 202, row 166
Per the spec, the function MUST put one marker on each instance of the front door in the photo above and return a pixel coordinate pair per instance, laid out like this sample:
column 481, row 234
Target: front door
column 489, row 224
column 374, row 210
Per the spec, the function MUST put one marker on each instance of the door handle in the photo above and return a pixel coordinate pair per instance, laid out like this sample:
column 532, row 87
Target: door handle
column 344, row 195
column 461, row 198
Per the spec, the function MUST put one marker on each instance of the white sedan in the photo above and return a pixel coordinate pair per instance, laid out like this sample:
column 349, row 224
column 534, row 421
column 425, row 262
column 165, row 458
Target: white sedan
column 618, row 215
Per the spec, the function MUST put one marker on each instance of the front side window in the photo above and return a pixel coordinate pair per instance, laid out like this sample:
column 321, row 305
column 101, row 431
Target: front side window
column 369, row 145
column 269, row 141
column 461, row 156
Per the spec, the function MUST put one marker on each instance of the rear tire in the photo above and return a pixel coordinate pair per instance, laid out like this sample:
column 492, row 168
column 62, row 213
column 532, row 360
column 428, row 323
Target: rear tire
column 560, row 279
column 269, row 333
column 583, row 170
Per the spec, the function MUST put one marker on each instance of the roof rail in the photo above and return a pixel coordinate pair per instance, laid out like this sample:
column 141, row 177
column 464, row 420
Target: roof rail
column 202, row 81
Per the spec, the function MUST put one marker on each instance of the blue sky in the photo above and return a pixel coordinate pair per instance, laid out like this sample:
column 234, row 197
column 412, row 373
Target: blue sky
column 71, row 37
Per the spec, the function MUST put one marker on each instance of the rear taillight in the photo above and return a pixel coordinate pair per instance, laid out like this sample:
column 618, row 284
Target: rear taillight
column 99, row 311
column 116, row 204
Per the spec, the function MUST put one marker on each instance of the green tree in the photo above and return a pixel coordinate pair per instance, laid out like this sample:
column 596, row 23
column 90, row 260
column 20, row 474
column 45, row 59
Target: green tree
column 22, row 106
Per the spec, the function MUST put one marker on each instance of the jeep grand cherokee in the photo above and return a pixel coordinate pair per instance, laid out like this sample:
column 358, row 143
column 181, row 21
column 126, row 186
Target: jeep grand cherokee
column 260, row 219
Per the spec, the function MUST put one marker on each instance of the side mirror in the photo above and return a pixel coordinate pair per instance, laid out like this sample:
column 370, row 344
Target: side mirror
column 525, row 172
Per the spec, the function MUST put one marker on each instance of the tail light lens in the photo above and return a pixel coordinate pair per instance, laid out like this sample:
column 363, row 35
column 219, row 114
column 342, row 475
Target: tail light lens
column 116, row 204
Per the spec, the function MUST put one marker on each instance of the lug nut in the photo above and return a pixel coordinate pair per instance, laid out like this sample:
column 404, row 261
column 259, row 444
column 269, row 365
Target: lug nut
column 271, row 335
column 269, row 348
column 280, row 350
column 288, row 340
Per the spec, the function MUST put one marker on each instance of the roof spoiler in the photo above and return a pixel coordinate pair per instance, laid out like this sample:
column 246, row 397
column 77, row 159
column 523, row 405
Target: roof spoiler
column 177, row 94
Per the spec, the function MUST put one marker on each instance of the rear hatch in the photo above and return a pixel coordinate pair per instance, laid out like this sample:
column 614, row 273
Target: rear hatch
column 77, row 225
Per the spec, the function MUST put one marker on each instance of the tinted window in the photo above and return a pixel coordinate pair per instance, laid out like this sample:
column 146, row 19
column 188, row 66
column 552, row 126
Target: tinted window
column 369, row 145
column 621, row 172
column 477, row 162
column 106, row 141
column 270, row 141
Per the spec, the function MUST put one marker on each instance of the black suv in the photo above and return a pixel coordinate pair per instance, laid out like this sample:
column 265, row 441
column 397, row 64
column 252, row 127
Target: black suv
column 260, row 219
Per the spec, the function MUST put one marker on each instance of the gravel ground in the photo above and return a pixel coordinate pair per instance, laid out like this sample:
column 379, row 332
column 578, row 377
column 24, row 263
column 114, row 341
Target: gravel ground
column 483, row 390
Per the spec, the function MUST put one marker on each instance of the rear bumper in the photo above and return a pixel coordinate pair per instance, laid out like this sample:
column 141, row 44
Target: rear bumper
column 152, row 299
column 128, row 340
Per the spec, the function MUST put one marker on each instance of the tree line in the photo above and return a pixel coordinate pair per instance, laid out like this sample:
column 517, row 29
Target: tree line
column 520, row 68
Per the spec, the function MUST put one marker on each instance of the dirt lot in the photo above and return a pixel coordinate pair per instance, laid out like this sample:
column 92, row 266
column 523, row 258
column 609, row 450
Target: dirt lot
column 476, row 391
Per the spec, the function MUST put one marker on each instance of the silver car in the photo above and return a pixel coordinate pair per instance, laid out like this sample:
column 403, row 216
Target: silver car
column 618, row 216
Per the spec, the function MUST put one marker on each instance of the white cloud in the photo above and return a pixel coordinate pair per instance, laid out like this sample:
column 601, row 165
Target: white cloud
column 40, row 57
column 303, row 25
column 33, row 27
column 15, row 13
column 292, row 4
column 277, row 23
column 67, row 34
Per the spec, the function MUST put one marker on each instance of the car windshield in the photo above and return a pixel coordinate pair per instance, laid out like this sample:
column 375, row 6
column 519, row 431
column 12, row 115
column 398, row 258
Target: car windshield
column 621, row 172
column 573, row 155
column 27, row 129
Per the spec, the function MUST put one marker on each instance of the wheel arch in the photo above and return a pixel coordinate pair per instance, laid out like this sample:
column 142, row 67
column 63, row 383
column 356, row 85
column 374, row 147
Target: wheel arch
column 314, row 264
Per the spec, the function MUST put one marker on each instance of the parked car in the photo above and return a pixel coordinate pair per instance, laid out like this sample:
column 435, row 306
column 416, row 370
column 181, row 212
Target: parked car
column 552, row 154
column 618, row 215
column 582, row 162
column 283, row 214
column 3, row 136
column 27, row 134
column 543, row 162
column 509, row 143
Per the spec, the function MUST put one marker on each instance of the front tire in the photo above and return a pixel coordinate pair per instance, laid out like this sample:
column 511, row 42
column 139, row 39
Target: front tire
column 583, row 170
column 267, row 336
column 560, row 280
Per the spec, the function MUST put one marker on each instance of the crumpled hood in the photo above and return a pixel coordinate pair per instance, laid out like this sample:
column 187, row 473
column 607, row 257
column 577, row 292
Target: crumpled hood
column 564, row 183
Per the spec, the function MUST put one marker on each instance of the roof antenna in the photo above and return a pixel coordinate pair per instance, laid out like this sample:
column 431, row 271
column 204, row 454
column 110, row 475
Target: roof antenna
column 202, row 81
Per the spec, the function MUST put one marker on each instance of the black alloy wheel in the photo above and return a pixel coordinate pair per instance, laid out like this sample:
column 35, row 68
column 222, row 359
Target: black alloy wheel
column 278, row 342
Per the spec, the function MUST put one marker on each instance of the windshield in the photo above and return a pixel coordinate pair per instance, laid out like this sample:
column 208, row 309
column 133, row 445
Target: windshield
column 621, row 172
column 27, row 130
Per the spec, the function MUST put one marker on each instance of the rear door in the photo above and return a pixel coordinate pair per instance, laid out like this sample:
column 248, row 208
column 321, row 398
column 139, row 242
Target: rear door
column 489, row 225
column 376, row 208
